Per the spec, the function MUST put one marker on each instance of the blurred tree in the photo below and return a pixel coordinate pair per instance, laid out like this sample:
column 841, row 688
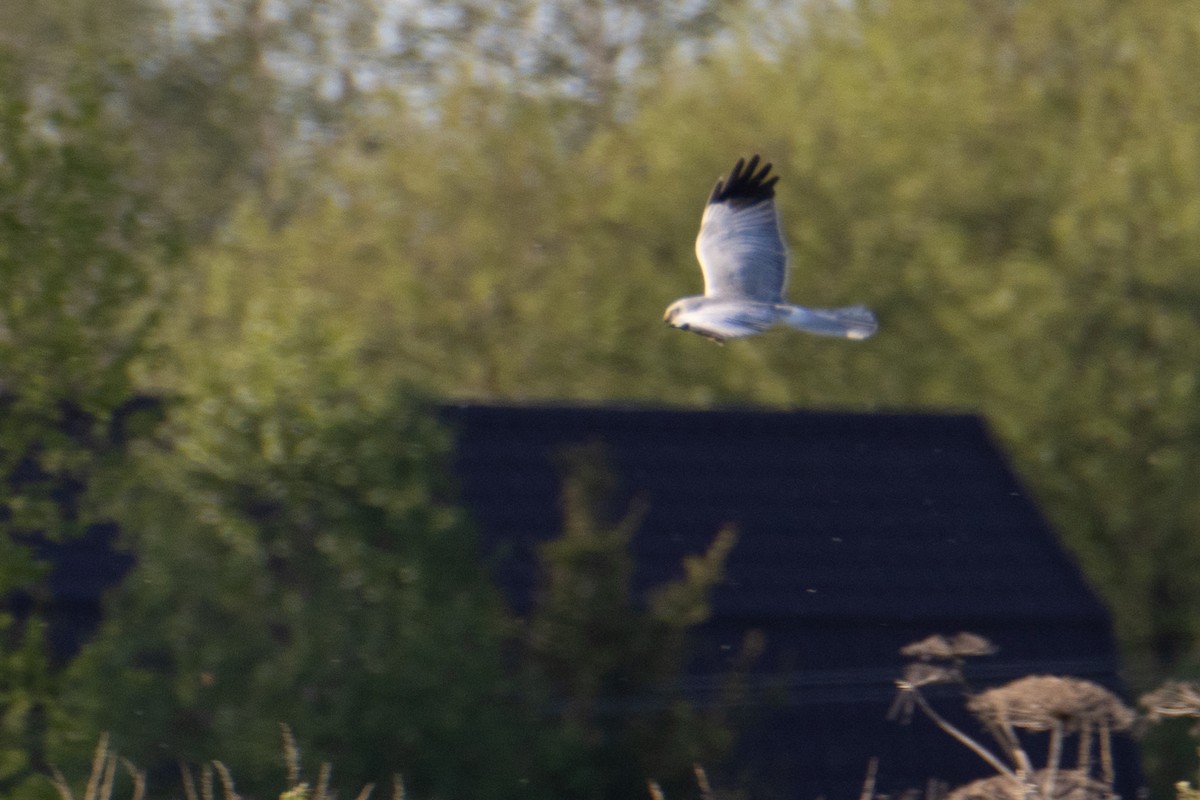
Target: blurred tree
column 49, row 45
column 83, row 265
column 1022, row 183
column 1027, row 177
column 587, row 59
column 207, row 99
column 612, row 662
column 298, row 561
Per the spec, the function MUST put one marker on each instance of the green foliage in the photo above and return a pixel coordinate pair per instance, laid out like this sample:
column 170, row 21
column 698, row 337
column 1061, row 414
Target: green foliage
column 77, row 259
column 297, row 561
column 80, row 266
column 1024, row 182
column 1015, row 197
column 612, row 664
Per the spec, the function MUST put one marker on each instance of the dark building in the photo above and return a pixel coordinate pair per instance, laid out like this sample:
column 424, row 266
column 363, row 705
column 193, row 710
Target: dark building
column 858, row 533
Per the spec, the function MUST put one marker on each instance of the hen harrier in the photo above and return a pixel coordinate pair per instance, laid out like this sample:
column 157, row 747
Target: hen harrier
column 744, row 262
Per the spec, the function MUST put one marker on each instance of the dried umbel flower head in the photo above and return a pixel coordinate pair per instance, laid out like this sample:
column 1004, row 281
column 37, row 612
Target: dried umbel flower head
column 1172, row 699
column 1042, row 702
column 1068, row 785
column 931, row 648
column 924, row 674
column 966, row 645
column 943, row 648
column 1100, row 707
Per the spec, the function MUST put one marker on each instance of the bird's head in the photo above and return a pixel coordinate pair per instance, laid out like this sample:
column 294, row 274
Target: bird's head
column 687, row 314
column 676, row 313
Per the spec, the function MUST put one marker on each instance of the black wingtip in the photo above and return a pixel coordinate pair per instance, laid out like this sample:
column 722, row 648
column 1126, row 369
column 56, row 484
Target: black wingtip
column 745, row 186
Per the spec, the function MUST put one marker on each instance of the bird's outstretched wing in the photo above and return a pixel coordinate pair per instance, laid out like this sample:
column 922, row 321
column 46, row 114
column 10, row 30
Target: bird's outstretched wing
column 740, row 249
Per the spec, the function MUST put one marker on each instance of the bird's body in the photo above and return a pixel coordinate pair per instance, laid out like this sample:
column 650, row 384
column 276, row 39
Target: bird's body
column 744, row 261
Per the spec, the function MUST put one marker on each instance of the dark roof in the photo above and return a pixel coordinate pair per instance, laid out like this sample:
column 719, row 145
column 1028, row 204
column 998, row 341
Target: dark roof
column 858, row 533
column 911, row 516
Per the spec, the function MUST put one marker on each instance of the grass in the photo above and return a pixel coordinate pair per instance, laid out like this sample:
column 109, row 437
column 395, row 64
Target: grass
column 215, row 780
column 1080, row 717
column 103, row 776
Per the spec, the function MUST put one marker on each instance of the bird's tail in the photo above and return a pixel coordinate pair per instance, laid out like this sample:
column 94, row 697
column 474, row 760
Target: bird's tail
column 851, row 322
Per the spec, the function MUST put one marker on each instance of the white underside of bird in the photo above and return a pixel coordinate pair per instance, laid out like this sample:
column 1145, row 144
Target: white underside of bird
column 745, row 263
column 720, row 319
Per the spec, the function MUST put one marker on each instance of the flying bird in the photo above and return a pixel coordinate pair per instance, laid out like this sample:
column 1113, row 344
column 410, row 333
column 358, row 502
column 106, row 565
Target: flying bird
column 744, row 261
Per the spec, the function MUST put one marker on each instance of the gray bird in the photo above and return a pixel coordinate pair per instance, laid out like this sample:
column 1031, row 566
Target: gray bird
column 744, row 262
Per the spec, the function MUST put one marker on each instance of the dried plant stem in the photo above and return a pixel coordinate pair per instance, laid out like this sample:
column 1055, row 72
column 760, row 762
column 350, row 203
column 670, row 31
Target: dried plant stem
column 138, row 777
column 1006, row 737
column 365, row 794
column 1052, row 759
column 702, row 782
column 656, row 792
column 98, row 761
column 1016, row 752
column 1106, row 759
column 963, row 738
column 868, row 789
column 60, row 784
column 189, row 783
column 1084, row 761
column 291, row 754
column 323, row 782
column 106, row 780
column 227, row 781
